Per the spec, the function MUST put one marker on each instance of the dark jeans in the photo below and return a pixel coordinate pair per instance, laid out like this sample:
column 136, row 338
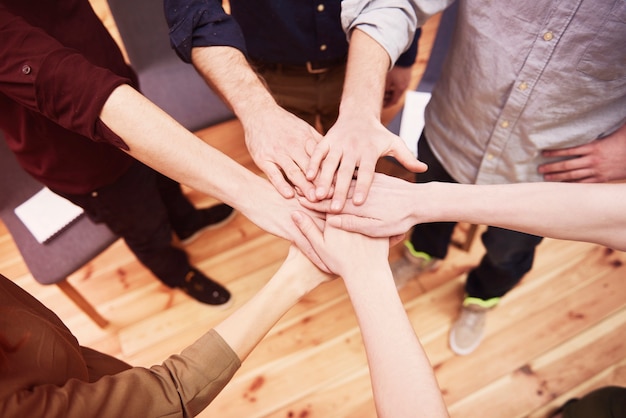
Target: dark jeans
column 606, row 402
column 144, row 207
column 509, row 254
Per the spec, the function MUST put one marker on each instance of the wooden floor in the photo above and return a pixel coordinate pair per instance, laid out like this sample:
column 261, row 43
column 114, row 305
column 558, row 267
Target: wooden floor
column 559, row 334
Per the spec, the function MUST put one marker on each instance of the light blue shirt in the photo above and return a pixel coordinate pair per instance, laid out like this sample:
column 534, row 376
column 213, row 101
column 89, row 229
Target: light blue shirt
column 391, row 23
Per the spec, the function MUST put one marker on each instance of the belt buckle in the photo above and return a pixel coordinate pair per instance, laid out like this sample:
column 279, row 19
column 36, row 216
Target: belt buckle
column 311, row 70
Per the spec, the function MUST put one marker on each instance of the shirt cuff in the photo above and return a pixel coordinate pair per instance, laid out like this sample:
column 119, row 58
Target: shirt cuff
column 70, row 99
column 201, row 23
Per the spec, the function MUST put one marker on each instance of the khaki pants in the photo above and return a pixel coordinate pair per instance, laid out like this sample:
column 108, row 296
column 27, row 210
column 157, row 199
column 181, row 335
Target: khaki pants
column 314, row 98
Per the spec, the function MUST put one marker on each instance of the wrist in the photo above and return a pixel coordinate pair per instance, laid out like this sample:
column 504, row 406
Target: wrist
column 366, row 274
column 291, row 283
column 233, row 78
column 430, row 201
column 254, row 104
column 445, row 202
column 364, row 110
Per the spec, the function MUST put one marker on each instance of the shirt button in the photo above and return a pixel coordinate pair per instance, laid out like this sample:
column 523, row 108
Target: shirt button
column 94, row 194
column 504, row 124
column 26, row 69
column 548, row 36
column 523, row 86
column 323, row 47
column 320, row 7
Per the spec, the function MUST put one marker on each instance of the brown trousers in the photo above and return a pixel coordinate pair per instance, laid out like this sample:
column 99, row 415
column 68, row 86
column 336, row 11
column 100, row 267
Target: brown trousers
column 314, row 98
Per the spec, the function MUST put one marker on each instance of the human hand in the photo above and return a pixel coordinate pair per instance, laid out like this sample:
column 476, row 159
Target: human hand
column 264, row 206
column 352, row 147
column 345, row 253
column 302, row 272
column 599, row 161
column 377, row 217
column 397, row 82
column 277, row 141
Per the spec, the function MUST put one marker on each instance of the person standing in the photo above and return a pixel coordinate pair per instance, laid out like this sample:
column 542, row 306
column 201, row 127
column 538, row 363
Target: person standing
column 300, row 51
column 556, row 84
column 280, row 143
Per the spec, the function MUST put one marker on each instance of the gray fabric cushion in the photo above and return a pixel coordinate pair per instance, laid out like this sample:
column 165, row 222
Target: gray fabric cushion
column 164, row 78
column 65, row 253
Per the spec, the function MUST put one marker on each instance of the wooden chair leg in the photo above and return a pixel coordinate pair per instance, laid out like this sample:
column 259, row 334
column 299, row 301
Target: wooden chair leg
column 82, row 303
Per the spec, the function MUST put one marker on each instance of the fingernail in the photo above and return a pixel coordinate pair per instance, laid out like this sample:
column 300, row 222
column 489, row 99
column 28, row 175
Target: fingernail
column 311, row 195
column 320, row 192
column 358, row 198
column 335, row 206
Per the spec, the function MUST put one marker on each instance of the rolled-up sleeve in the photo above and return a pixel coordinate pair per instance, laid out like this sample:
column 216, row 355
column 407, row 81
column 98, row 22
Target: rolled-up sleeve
column 391, row 23
column 182, row 386
column 198, row 23
column 49, row 374
column 40, row 74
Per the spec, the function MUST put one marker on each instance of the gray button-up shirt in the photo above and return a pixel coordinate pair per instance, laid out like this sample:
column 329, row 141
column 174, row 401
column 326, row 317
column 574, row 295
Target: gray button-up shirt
column 391, row 23
column 524, row 76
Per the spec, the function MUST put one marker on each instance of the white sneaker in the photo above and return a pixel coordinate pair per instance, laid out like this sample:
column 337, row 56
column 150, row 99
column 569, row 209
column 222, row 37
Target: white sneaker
column 467, row 332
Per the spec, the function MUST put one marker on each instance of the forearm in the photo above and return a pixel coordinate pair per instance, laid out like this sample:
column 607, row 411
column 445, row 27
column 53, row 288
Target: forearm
column 163, row 144
column 247, row 326
column 403, row 381
column 227, row 71
column 366, row 72
column 583, row 212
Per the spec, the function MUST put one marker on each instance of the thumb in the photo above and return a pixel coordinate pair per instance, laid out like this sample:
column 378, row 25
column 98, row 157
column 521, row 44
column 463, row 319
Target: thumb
column 405, row 157
column 310, row 239
column 308, row 228
column 352, row 223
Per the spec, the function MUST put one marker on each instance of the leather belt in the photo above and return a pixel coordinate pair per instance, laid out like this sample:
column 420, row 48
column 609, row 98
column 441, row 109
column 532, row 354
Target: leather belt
column 311, row 67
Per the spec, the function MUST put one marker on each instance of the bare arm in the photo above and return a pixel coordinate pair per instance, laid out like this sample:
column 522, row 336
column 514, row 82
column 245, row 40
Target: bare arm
column 245, row 328
column 182, row 385
column 583, row 212
column 162, row 143
column 358, row 138
column 276, row 139
column 403, row 381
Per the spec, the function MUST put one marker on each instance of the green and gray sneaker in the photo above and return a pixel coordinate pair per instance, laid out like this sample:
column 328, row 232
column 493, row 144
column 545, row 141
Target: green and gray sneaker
column 412, row 264
column 467, row 332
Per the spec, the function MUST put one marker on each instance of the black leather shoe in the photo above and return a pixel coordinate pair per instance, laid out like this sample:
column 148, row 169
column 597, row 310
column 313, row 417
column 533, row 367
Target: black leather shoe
column 210, row 218
column 203, row 289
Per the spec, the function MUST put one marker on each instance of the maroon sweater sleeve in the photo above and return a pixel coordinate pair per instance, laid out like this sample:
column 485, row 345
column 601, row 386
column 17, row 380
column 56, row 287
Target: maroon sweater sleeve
column 60, row 83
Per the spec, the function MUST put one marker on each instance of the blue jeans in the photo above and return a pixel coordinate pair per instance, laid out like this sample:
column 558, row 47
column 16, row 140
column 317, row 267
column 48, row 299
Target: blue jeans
column 509, row 254
column 144, row 207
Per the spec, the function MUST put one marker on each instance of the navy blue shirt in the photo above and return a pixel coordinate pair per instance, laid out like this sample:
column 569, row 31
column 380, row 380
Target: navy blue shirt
column 270, row 31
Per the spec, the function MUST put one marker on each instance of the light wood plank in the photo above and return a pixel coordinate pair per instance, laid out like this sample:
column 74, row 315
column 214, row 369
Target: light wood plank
column 558, row 334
